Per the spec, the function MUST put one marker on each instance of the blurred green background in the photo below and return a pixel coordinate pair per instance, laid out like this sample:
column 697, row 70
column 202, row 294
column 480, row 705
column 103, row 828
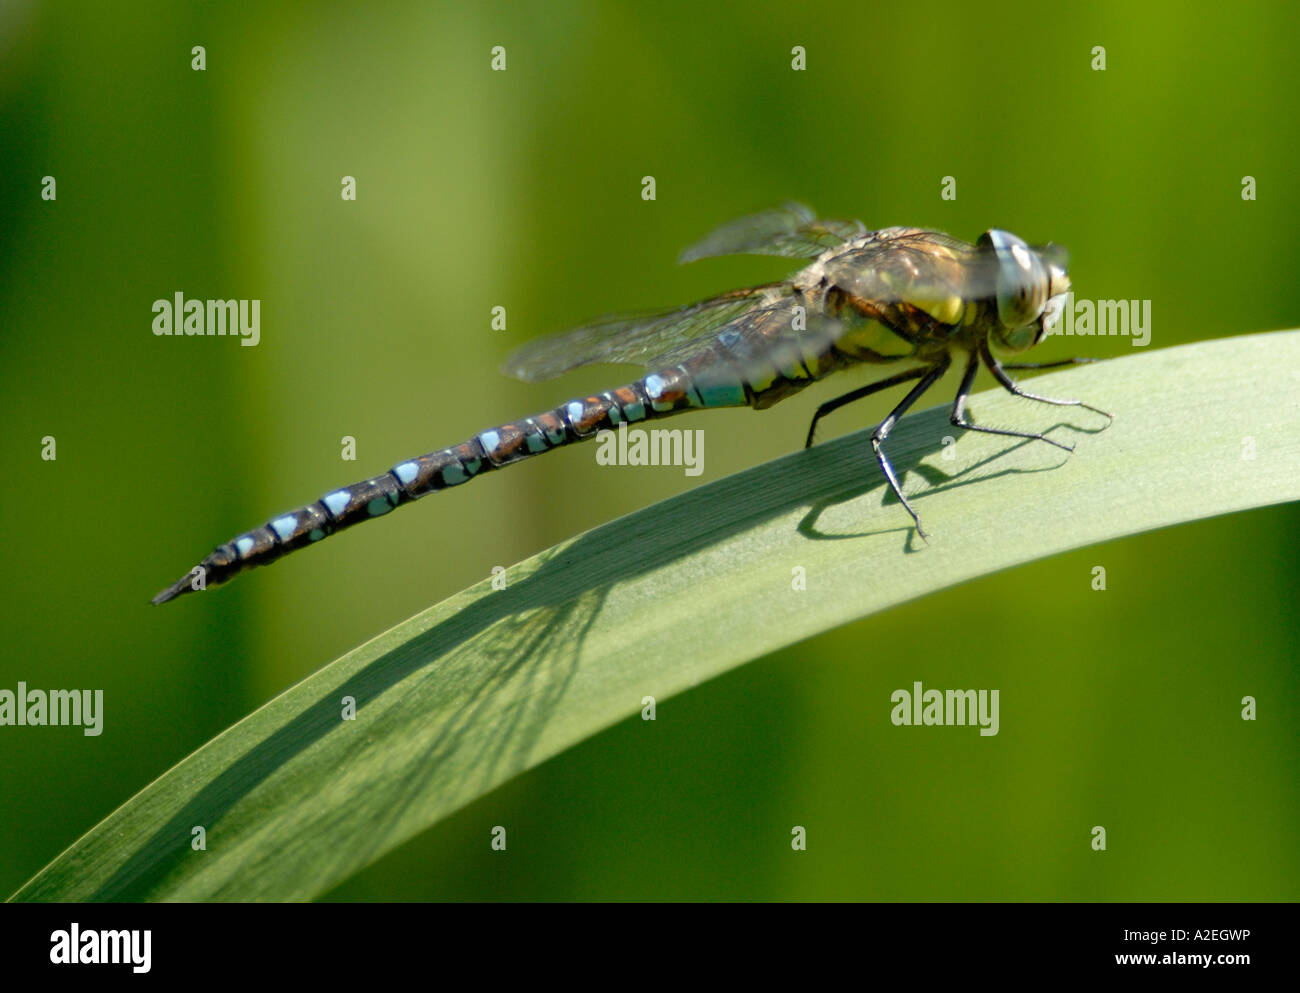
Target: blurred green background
column 522, row 189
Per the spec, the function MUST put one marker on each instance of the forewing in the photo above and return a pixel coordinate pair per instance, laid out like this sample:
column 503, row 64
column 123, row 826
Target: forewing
column 791, row 231
column 639, row 339
column 780, row 336
column 753, row 330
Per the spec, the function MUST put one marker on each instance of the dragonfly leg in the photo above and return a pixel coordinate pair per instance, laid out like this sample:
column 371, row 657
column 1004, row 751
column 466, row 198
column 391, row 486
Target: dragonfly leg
column 999, row 373
column 858, row 394
column 929, row 376
column 958, row 413
column 1047, row 365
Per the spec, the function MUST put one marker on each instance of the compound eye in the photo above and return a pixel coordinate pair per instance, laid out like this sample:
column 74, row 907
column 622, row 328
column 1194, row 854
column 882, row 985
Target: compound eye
column 1022, row 281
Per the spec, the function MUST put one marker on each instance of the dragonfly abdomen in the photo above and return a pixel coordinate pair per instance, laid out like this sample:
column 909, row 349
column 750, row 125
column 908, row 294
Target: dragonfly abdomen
column 658, row 395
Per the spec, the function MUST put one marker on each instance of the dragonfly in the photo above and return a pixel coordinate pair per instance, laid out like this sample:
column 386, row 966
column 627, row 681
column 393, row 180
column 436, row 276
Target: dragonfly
column 900, row 297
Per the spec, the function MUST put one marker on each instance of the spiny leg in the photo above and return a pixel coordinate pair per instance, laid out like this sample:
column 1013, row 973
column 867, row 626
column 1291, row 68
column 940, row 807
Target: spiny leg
column 958, row 414
column 858, row 394
column 878, row 436
column 999, row 373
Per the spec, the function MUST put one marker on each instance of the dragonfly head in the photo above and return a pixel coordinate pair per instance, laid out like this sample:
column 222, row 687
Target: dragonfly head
column 1031, row 288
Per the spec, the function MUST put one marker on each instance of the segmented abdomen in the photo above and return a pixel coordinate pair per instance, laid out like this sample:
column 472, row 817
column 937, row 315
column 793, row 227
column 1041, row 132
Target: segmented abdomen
column 658, row 395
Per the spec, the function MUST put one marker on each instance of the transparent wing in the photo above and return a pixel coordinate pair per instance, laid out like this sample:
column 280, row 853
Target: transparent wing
column 776, row 337
column 753, row 329
column 749, row 334
column 639, row 339
column 790, row 231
